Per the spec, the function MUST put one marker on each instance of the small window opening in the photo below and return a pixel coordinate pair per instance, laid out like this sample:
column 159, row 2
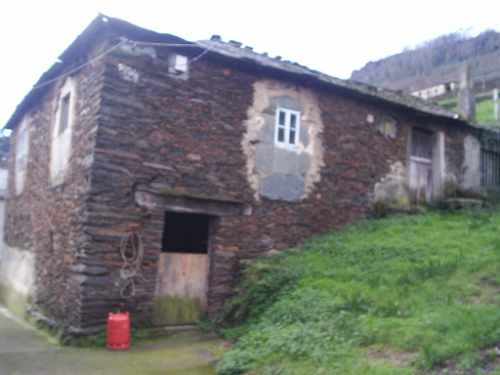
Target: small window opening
column 64, row 119
column 179, row 64
column 287, row 127
column 185, row 233
column 422, row 142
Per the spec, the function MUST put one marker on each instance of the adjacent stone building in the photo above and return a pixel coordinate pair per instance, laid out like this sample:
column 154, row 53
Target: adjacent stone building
column 144, row 168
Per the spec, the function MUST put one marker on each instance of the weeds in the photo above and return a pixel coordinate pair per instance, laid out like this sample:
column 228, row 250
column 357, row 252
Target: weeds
column 422, row 284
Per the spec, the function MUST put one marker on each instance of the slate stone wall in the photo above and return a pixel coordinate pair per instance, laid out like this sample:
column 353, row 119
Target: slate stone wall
column 48, row 221
column 183, row 137
column 140, row 129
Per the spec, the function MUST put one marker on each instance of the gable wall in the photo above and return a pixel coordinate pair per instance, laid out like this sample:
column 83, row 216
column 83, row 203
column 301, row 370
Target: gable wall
column 44, row 224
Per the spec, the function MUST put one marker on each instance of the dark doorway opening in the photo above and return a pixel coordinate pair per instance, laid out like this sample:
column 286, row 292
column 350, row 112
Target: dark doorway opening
column 185, row 233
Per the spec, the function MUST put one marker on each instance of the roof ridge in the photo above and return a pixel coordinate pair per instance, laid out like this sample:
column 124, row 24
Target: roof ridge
column 238, row 50
column 232, row 49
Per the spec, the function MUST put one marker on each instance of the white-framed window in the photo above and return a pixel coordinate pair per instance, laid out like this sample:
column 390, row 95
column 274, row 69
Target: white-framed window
column 61, row 133
column 287, row 127
column 22, row 150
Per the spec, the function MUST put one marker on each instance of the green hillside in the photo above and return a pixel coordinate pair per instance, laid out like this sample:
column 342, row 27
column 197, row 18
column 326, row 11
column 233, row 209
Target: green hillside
column 484, row 109
column 403, row 295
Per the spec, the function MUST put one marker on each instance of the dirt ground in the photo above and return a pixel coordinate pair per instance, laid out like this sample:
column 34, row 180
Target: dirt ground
column 25, row 351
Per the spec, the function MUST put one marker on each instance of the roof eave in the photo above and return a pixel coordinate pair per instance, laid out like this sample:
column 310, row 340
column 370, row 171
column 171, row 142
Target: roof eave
column 79, row 47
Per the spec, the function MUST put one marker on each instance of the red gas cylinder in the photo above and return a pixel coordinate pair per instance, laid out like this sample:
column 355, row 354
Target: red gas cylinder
column 118, row 331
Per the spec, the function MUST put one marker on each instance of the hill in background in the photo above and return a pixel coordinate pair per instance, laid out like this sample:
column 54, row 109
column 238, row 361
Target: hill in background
column 438, row 61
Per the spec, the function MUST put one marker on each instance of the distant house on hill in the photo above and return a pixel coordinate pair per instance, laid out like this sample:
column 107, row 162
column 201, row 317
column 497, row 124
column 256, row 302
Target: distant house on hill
column 144, row 168
column 438, row 62
column 436, row 91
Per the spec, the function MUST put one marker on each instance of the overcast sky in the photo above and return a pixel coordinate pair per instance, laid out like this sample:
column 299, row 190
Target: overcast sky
column 334, row 37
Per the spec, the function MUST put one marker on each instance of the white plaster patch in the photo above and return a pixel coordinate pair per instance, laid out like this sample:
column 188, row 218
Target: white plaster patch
column 22, row 150
column 387, row 127
column 128, row 73
column 17, row 270
column 392, row 189
column 439, row 165
column 61, row 139
column 265, row 91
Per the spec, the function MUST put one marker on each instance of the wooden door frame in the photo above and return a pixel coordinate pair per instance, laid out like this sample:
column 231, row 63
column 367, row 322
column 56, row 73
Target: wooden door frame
column 437, row 161
column 157, row 202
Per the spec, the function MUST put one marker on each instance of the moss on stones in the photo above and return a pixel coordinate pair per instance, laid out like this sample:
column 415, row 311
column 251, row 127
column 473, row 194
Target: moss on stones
column 16, row 302
column 176, row 310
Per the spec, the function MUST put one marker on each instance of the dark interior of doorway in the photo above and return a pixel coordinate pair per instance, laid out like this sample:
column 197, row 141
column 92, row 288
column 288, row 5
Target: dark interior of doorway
column 185, row 233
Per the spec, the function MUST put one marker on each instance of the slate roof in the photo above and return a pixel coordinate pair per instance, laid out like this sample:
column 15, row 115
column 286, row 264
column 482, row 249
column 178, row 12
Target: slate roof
column 233, row 51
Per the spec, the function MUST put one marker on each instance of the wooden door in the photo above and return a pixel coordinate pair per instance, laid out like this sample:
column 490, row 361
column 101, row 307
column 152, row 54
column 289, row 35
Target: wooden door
column 183, row 266
column 181, row 288
column 421, row 173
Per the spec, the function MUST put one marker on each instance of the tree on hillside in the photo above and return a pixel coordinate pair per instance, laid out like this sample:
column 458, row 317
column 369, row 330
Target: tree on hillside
column 453, row 48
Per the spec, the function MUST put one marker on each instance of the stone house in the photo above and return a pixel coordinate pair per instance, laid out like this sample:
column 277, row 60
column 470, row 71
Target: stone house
column 144, row 168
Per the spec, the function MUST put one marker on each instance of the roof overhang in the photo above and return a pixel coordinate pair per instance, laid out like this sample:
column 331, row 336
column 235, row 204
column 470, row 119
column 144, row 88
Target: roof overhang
column 100, row 26
column 103, row 25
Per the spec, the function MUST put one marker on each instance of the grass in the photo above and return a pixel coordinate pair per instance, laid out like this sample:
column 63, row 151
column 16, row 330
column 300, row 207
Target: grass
column 403, row 295
column 484, row 109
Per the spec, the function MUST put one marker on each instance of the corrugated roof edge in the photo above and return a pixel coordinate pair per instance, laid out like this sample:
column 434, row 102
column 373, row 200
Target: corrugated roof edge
column 130, row 31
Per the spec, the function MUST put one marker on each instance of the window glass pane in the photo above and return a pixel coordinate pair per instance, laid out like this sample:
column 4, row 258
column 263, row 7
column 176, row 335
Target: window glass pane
column 293, row 120
column 281, row 134
column 64, row 117
column 292, row 137
column 281, row 118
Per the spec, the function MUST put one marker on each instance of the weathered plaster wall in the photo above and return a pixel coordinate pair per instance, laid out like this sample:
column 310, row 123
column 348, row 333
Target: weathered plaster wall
column 393, row 190
column 438, row 164
column 447, row 166
column 471, row 164
column 278, row 172
column 17, row 276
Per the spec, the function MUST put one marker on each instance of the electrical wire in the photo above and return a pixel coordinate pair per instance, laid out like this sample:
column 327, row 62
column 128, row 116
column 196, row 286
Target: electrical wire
column 71, row 71
column 196, row 58
column 122, row 42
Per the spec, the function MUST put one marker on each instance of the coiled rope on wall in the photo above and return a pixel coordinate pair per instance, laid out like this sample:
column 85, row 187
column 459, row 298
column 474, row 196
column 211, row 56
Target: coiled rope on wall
column 132, row 254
